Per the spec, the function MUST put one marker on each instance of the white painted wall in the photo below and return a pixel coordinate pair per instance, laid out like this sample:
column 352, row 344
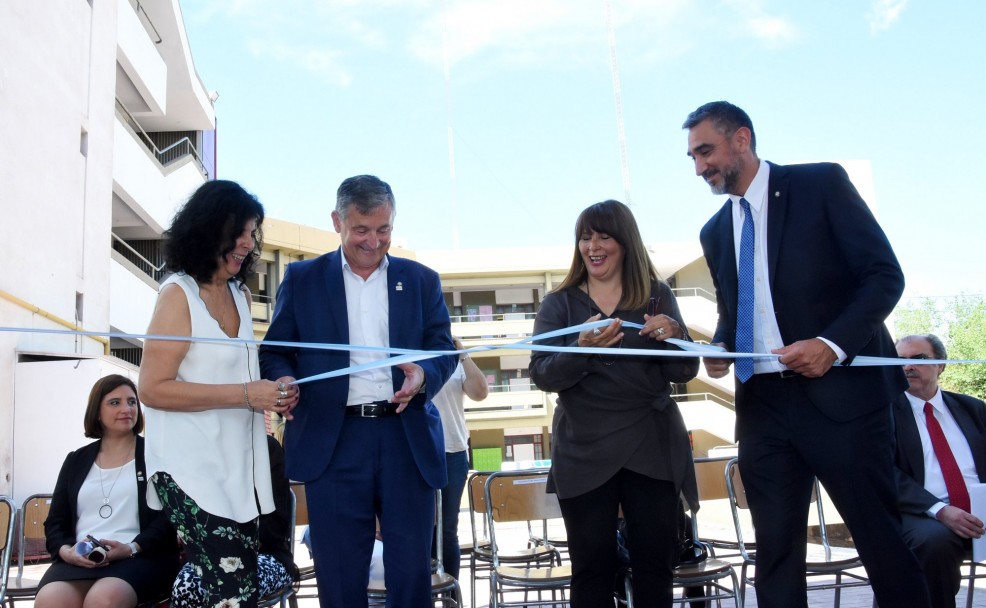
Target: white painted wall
column 57, row 82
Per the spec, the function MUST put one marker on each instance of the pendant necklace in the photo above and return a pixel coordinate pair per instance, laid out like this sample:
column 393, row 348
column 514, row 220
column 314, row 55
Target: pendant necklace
column 106, row 510
column 222, row 318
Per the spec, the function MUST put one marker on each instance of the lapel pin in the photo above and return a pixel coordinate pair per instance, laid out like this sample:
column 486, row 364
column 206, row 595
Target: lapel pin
column 777, row 194
column 400, row 286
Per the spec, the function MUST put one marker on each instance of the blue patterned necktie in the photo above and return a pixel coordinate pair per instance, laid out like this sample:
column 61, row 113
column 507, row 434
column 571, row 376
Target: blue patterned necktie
column 744, row 304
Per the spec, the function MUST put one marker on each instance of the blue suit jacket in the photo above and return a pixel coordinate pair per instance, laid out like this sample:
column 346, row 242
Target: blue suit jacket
column 969, row 414
column 832, row 274
column 311, row 307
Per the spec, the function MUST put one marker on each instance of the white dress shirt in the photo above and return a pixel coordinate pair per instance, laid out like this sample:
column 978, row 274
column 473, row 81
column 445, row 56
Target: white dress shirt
column 934, row 481
column 766, row 333
column 368, row 309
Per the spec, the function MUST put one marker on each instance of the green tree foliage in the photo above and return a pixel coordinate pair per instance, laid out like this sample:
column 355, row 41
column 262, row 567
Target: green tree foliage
column 961, row 324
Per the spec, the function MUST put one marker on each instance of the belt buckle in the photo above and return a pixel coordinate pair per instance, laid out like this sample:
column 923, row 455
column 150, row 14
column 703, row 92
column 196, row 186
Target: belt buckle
column 787, row 373
column 362, row 409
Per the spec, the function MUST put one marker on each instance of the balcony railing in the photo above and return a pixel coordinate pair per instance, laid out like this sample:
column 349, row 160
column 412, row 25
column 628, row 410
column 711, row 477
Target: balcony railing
column 180, row 149
column 155, row 272
column 686, row 397
column 508, row 404
column 692, row 292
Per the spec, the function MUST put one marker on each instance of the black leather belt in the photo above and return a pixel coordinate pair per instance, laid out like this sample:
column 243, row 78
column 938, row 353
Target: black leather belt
column 781, row 374
column 377, row 409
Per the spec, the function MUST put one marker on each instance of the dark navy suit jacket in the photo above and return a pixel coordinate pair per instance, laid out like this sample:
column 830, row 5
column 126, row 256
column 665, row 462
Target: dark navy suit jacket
column 832, row 274
column 311, row 307
column 969, row 414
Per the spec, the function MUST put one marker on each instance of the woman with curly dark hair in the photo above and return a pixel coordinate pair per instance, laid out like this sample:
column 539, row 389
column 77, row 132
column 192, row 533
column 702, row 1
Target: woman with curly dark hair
column 206, row 446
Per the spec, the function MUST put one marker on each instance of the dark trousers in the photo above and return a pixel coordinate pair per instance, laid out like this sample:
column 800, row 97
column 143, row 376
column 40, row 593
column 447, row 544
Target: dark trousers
column 650, row 508
column 224, row 551
column 784, row 441
column 940, row 552
column 457, row 466
column 372, row 472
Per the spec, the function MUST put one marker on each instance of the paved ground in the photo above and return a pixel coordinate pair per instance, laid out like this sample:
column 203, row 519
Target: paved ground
column 714, row 523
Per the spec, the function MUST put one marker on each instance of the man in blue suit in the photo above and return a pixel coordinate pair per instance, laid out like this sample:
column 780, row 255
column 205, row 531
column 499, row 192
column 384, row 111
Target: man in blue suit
column 937, row 526
column 822, row 278
column 368, row 444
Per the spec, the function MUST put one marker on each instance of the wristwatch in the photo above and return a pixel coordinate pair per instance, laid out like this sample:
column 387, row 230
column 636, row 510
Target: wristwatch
column 134, row 549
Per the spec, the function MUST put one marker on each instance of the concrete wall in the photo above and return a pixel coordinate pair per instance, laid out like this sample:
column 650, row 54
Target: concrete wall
column 57, row 79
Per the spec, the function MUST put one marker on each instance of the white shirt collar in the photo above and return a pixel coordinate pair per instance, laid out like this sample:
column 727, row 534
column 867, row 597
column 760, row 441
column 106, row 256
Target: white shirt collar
column 756, row 194
column 384, row 263
column 936, row 401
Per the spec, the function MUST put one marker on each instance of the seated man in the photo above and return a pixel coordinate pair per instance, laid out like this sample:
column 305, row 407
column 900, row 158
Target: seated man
column 941, row 447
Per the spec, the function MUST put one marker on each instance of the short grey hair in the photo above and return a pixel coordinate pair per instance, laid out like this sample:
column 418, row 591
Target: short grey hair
column 366, row 192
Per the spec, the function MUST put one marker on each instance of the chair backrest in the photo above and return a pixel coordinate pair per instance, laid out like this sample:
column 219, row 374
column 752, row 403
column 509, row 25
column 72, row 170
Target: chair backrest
column 711, row 481
column 8, row 516
column 476, row 486
column 737, row 500
column 300, row 503
column 32, row 539
column 518, row 496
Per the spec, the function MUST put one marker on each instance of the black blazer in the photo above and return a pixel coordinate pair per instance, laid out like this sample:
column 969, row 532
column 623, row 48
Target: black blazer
column 156, row 533
column 969, row 414
column 832, row 274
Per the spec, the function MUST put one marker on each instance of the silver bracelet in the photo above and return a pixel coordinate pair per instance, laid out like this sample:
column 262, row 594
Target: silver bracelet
column 246, row 397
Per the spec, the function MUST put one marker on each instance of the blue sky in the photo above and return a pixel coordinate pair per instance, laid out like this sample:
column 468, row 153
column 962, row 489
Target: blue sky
column 313, row 91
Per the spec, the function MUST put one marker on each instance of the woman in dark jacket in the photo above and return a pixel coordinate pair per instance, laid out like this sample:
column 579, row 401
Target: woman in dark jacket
column 100, row 493
column 618, row 438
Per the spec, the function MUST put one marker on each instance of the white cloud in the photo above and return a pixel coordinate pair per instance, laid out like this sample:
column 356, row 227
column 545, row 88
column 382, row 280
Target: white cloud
column 884, row 13
column 539, row 32
column 771, row 30
column 323, row 63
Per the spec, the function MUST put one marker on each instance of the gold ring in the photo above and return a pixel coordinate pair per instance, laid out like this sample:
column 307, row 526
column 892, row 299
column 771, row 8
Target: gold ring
column 280, row 386
column 660, row 331
column 596, row 332
column 278, row 403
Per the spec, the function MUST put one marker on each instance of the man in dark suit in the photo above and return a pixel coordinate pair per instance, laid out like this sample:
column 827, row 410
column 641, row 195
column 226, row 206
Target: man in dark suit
column 937, row 526
column 369, row 443
column 821, row 279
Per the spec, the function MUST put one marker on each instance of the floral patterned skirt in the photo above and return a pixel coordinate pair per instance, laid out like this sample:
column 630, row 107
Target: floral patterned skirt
column 221, row 551
column 187, row 592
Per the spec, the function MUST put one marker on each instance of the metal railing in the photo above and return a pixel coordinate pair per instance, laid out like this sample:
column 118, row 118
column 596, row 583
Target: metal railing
column 135, row 256
column 685, row 397
column 500, row 316
column 693, row 292
column 146, row 20
column 160, row 154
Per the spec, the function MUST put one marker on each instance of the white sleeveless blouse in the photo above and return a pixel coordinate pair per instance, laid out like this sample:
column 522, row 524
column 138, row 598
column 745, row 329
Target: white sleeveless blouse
column 217, row 457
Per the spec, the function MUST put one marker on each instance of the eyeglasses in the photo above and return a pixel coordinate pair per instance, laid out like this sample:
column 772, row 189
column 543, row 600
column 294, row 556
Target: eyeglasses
column 919, row 357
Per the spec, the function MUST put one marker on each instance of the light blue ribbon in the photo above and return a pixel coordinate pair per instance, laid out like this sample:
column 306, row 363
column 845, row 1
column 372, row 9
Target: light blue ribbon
column 407, row 355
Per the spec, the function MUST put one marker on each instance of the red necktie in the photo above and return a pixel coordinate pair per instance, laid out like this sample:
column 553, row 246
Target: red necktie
column 958, row 495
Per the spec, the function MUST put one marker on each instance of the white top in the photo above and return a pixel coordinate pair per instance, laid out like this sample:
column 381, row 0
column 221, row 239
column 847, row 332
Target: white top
column 934, row 481
column 449, row 403
column 119, row 487
column 766, row 333
column 216, row 456
column 368, row 311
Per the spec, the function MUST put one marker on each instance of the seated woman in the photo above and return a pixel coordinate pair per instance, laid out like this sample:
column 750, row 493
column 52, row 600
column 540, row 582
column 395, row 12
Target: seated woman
column 275, row 567
column 100, row 493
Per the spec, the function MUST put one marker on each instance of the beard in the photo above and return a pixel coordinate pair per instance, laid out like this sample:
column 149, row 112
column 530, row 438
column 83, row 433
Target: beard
column 730, row 178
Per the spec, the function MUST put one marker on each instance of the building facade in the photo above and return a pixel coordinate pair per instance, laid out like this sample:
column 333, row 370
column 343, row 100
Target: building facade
column 106, row 128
